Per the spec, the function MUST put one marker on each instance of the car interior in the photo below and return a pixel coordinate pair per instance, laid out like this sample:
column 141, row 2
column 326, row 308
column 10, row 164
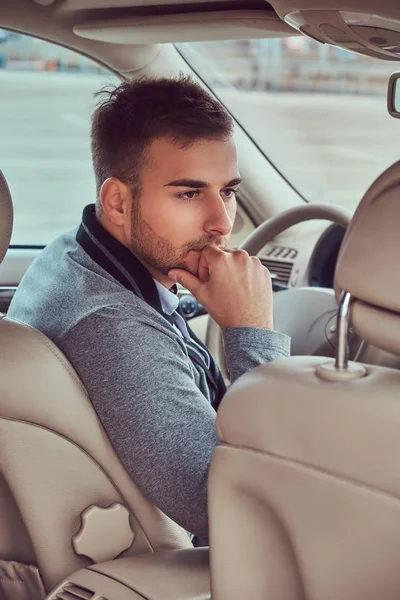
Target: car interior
column 303, row 489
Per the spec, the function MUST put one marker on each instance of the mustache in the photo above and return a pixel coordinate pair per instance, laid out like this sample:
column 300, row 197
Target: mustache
column 206, row 241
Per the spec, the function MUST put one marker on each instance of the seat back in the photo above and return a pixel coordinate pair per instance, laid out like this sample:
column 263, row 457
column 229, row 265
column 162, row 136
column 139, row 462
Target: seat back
column 56, row 462
column 304, row 488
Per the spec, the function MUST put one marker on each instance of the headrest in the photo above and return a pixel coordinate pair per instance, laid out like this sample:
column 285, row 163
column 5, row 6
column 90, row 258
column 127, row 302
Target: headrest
column 6, row 216
column 368, row 263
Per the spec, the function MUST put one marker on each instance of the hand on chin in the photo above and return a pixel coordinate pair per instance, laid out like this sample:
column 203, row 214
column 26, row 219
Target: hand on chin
column 191, row 263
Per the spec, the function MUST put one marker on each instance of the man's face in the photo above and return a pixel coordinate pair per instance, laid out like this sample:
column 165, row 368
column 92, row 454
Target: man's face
column 187, row 201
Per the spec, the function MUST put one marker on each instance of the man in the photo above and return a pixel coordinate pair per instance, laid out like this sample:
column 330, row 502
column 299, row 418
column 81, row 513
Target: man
column 167, row 177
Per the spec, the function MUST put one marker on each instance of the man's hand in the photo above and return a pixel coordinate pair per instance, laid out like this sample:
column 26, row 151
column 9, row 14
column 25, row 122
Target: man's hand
column 232, row 286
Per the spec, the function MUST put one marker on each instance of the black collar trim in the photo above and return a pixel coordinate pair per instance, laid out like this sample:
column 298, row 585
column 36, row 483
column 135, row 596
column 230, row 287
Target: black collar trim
column 116, row 259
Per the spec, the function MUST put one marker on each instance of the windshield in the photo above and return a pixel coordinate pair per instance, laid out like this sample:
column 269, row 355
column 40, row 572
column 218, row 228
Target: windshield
column 317, row 112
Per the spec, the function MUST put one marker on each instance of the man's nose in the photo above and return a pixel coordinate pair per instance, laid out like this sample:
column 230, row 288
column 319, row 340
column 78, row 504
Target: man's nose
column 218, row 219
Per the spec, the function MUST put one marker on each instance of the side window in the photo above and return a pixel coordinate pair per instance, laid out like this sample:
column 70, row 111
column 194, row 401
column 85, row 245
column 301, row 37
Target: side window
column 46, row 101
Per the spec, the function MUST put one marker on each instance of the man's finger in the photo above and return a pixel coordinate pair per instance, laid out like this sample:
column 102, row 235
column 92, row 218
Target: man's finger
column 212, row 250
column 209, row 255
column 204, row 269
column 189, row 281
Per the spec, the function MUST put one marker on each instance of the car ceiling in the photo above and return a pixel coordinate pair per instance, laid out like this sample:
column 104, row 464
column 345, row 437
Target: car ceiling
column 54, row 20
column 124, row 34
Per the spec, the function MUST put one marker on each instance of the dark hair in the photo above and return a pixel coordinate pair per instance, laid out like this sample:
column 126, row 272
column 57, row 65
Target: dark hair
column 129, row 117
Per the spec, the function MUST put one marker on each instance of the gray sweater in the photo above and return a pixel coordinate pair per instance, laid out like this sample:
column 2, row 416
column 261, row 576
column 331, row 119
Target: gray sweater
column 154, row 405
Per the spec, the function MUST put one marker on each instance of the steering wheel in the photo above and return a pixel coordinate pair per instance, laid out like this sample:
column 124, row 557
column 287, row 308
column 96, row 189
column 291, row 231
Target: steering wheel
column 307, row 314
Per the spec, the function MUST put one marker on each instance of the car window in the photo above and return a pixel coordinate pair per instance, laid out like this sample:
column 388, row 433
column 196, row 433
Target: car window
column 45, row 104
column 317, row 112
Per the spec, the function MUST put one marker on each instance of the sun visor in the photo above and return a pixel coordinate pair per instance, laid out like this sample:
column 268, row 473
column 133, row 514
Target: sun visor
column 181, row 27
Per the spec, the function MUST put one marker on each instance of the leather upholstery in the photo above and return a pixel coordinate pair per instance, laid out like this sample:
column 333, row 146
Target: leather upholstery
column 367, row 266
column 309, row 427
column 173, row 575
column 377, row 326
column 6, row 216
column 186, row 571
column 20, row 582
column 56, row 460
column 304, row 492
column 304, row 488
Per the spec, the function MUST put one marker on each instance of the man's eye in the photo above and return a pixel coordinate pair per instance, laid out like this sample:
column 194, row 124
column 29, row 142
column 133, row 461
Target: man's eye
column 190, row 195
column 230, row 193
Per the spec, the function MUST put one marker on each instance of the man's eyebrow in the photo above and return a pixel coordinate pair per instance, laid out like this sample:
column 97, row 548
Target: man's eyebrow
column 192, row 183
column 234, row 182
column 196, row 183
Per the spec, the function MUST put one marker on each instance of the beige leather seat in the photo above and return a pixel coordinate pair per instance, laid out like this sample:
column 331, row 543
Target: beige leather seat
column 56, row 462
column 304, row 490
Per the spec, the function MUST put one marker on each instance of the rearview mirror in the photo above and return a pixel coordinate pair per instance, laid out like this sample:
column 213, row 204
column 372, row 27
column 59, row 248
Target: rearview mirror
column 393, row 98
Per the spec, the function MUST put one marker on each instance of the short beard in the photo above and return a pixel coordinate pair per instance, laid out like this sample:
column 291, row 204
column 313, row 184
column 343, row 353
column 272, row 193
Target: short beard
column 158, row 252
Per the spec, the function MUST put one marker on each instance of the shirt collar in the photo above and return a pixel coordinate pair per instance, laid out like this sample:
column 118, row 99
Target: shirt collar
column 169, row 300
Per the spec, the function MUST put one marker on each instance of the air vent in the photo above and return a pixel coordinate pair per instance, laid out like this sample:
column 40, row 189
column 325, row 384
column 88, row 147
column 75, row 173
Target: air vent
column 74, row 592
column 279, row 270
column 273, row 251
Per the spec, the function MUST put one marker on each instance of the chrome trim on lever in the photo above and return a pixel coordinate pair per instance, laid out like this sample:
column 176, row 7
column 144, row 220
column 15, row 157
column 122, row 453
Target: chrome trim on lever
column 342, row 326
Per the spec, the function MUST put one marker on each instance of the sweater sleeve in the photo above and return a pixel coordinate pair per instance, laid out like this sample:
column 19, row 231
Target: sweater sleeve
column 249, row 347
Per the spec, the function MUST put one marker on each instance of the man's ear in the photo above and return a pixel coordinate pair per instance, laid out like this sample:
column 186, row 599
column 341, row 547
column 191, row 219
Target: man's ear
column 115, row 199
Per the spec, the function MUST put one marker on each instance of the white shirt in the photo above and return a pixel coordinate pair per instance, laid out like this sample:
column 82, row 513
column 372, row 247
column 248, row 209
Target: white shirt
column 169, row 304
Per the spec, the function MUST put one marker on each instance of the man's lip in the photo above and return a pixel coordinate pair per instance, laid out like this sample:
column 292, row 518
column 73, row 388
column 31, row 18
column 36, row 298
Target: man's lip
column 220, row 246
column 197, row 249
